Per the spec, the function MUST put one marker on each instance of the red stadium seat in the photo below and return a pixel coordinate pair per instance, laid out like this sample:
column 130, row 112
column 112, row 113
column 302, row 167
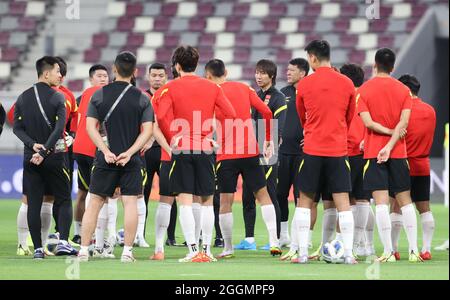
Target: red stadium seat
column 207, row 39
column 27, row 24
column 243, row 40
column 270, row 24
column 234, row 24
column 10, row 54
column 161, row 24
column 100, row 39
column 92, row 55
column 205, row 9
column 17, row 8
column 197, row 24
column 136, row 39
column 341, row 25
column 125, row 24
column 134, row 9
column 171, row 39
column 76, row 85
column 277, row 40
column 241, row 55
column 313, row 10
column 278, row 9
column 169, row 9
column 4, row 38
column 241, row 9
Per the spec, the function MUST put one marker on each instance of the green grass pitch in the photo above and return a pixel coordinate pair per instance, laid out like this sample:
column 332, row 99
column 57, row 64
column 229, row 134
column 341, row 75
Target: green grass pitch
column 247, row 264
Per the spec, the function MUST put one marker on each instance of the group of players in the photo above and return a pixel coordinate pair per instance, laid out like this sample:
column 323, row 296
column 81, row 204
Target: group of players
column 328, row 135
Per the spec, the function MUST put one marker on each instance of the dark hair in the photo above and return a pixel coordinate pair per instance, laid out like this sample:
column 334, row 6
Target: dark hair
column 95, row 68
column 62, row 66
column 385, row 60
column 45, row 63
column 157, row 66
column 301, row 63
column 354, row 72
column 216, row 67
column 187, row 57
column 125, row 64
column 269, row 67
column 319, row 48
column 411, row 82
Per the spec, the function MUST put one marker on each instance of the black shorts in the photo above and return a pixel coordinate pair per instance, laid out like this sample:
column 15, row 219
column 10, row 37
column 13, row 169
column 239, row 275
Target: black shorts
column 287, row 173
column 319, row 173
column 357, row 173
column 392, row 176
column 105, row 181
column 229, row 170
column 85, row 164
column 420, row 188
column 153, row 160
column 164, row 179
column 192, row 174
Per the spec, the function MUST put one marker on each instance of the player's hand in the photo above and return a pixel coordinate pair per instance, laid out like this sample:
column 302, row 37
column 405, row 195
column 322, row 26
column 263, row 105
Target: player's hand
column 110, row 157
column 36, row 159
column 175, row 142
column 403, row 133
column 69, row 139
column 123, row 159
column 38, row 147
column 383, row 155
column 268, row 150
column 214, row 144
column 146, row 148
column 361, row 146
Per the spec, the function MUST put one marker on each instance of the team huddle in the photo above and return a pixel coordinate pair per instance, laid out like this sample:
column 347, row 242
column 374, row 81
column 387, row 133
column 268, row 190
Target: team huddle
column 329, row 135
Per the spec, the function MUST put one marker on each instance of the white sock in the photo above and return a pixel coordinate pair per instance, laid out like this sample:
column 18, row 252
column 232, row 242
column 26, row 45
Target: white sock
column 384, row 226
column 46, row 220
column 270, row 219
column 347, row 226
column 112, row 217
column 294, row 234
column 197, row 213
column 397, row 226
column 329, row 224
column 187, row 222
column 410, row 225
column 226, row 226
column 427, row 220
column 127, row 250
column 162, row 220
column 250, row 240
column 102, row 223
column 360, row 217
column 207, row 226
column 22, row 225
column 310, row 237
column 303, row 222
column 77, row 229
column 370, row 229
column 339, row 237
column 141, row 208
column 284, row 233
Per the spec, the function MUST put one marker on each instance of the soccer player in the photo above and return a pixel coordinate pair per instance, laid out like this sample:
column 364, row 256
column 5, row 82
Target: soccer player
column 185, row 112
column 265, row 76
column 419, row 139
column 2, row 117
column 39, row 120
column 83, row 148
column 239, row 155
column 125, row 116
column 326, row 106
column 290, row 150
column 384, row 105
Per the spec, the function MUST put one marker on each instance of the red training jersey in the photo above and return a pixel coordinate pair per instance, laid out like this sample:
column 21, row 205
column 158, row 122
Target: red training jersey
column 419, row 138
column 164, row 155
column 384, row 98
column 355, row 135
column 71, row 107
column 326, row 107
column 236, row 136
column 186, row 109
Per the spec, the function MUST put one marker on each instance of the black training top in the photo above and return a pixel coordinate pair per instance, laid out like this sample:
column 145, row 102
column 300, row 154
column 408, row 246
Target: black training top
column 124, row 125
column 2, row 117
column 293, row 131
column 29, row 123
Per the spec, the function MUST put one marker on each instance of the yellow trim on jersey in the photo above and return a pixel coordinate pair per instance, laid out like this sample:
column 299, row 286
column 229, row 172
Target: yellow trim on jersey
column 66, row 173
column 269, row 173
column 301, row 165
column 366, row 167
column 20, row 118
column 69, row 104
column 82, row 180
column 218, row 166
column 278, row 111
column 144, row 175
column 407, row 164
column 347, row 163
column 171, row 169
column 163, row 92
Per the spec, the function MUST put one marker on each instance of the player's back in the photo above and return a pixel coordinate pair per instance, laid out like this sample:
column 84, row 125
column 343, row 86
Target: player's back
column 422, row 123
column 239, row 96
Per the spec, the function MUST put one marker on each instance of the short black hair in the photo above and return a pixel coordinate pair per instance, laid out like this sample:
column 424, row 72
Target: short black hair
column 354, row 72
column 157, row 66
column 45, row 63
column 95, row 68
column 301, row 63
column 319, row 48
column 385, row 60
column 411, row 82
column 62, row 65
column 269, row 67
column 187, row 57
column 216, row 67
column 125, row 64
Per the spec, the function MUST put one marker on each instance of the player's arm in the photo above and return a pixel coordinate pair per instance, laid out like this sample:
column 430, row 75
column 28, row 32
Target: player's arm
column 160, row 138
column 374, row 126
column 19, row 126
column 2, row 117
column 384, row 153
column 257, row 104
column 164, row 115
column 351, row 108
column 59, row 125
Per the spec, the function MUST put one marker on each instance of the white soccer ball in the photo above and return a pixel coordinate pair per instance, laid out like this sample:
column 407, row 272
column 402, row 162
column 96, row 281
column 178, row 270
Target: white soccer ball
column 333, row 252
column 120, row 237
column 52, row 242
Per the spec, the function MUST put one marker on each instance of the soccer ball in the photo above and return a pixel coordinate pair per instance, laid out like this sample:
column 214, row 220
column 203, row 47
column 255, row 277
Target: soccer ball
column 333, row 252
column 120, row 237
column 52, row 242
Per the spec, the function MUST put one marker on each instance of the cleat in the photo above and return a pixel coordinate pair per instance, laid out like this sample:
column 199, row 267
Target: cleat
column 295, row 257
column 266, row 247
column 141, row 243
column 386, row 257
column 414, row 258
column 157, row 256
column 39, row 254
column 316, row 254
column 350, row 260
column 76, row 240
column 192, row 257
column 64, row 248
column 274, row 251
column 397, row 255
column 288, row 256
column 47, row 252
column 300, row 260
column 208, row 257
column 102, row 253
column 171, row 242
column 23, row 251
column 219, row 243
column 129, row 258
column 225, row 255
column 244, row 245
column 442, row 247
column 83, row 256
column 425, row 255
column 285, row 242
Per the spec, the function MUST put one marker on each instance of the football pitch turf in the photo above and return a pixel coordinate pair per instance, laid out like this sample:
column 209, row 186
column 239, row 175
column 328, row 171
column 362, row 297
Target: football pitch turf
column 247, row 265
